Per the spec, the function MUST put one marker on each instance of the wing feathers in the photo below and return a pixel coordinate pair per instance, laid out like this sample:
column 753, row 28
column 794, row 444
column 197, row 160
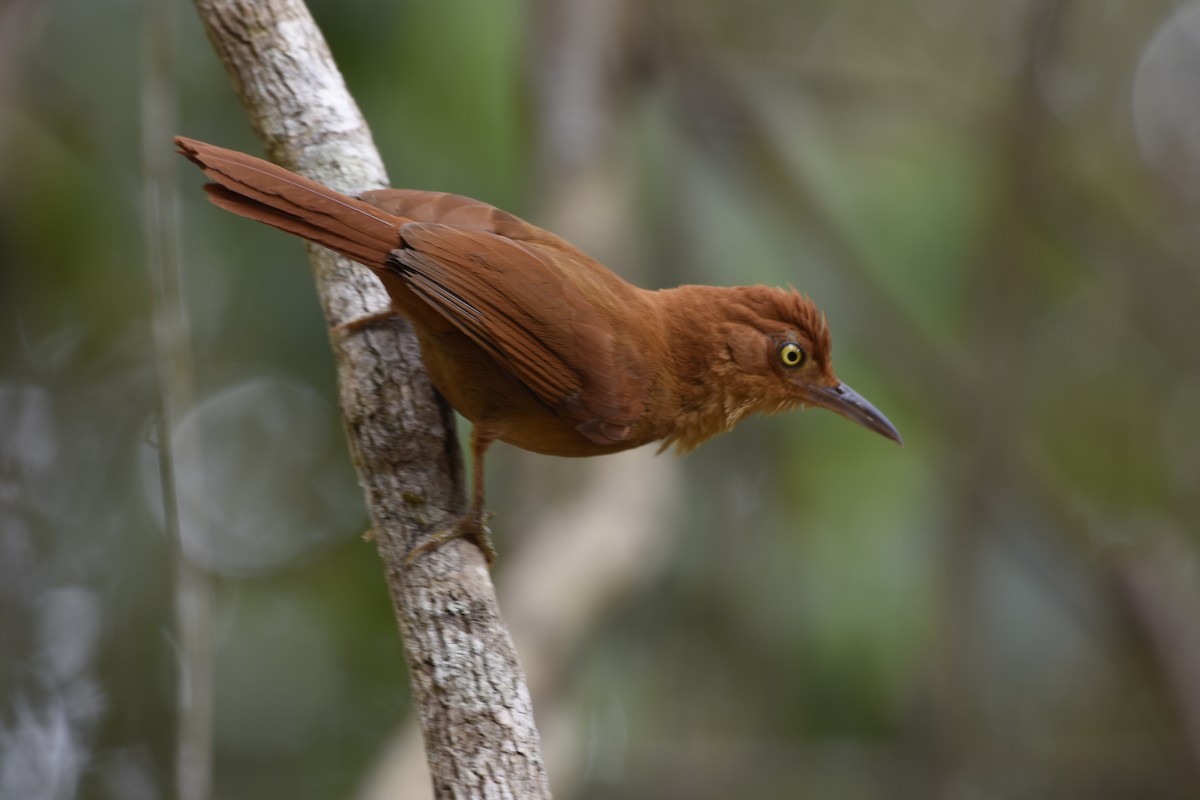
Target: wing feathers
column 519, row 307
column 490, row 325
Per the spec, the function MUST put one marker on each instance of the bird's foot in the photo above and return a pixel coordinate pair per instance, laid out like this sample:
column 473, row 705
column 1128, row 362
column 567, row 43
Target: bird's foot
column 471, row 526
column 359, row 324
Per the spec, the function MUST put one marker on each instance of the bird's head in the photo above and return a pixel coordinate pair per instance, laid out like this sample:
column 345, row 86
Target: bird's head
column 778, row 350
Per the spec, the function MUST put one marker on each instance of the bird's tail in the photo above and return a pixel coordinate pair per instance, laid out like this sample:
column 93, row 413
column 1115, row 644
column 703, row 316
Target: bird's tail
column 265, row 192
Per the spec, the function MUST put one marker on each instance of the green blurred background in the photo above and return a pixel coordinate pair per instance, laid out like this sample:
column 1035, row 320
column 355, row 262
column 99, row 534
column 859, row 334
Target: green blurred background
column 995, row 202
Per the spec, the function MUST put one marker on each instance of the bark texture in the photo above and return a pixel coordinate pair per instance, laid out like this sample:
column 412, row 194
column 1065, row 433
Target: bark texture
column 468, row 687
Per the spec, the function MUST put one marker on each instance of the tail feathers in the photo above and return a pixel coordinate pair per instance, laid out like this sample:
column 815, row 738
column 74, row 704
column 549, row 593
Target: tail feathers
column 370, row 255
column 262, row 191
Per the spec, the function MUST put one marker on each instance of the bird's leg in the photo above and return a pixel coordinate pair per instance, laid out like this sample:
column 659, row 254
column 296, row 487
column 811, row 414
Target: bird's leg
column 359, row 324
column 473, row 524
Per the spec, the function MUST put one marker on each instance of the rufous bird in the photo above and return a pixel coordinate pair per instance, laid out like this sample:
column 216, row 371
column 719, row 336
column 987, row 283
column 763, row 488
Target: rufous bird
column 541, row 346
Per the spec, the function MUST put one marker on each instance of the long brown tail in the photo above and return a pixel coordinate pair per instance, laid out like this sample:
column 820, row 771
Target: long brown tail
column 262, row 191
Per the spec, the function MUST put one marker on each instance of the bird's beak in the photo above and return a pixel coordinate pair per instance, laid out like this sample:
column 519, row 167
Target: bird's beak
column 841, row 399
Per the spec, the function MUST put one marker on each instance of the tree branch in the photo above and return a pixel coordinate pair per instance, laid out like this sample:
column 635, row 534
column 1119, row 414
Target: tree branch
column 468, row 687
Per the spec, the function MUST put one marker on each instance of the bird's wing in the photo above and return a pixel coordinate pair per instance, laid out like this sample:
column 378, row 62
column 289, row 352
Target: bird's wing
column 458, row 211
column 521, row 305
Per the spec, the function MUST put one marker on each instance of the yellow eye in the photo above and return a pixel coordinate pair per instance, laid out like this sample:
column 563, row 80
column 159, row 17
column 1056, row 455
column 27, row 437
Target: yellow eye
column 791, row 354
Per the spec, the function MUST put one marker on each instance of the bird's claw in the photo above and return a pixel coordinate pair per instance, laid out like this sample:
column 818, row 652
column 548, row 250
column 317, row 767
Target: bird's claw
column 359, row 324
column 472, row 527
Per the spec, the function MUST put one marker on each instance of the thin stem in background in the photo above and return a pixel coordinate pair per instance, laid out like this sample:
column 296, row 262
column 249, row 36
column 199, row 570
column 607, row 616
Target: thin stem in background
column 160, row 215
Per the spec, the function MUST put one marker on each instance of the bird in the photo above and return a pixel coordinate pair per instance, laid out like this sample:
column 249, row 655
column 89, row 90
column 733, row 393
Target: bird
column 539, row 345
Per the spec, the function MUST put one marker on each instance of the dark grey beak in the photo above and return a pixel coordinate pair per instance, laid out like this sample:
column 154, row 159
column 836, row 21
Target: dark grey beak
column 843, row 400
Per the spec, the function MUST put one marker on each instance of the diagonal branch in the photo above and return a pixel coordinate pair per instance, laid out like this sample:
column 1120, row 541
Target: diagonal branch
column 468, row 687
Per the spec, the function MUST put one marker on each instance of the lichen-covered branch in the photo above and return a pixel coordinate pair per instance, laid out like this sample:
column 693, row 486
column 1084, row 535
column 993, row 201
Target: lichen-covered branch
column 467, row 684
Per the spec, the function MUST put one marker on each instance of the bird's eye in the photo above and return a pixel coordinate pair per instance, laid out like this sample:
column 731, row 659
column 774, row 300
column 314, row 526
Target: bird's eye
column 791, row 354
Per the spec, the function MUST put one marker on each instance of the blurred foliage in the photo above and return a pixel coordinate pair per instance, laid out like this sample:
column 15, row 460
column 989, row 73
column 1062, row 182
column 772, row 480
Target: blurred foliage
column 995, row 203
